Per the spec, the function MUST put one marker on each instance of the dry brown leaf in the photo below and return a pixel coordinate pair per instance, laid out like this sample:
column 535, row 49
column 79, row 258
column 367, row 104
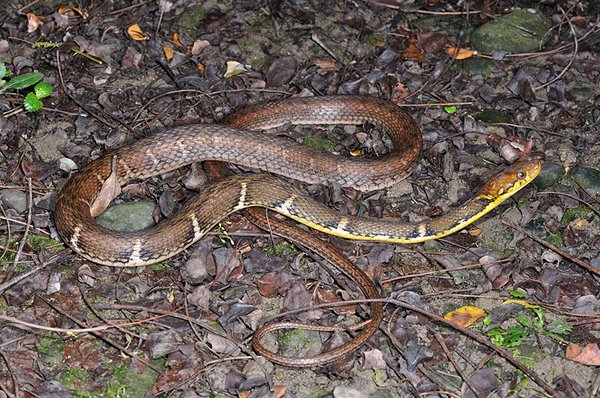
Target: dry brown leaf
column 399, row 93
column 70, row 10
column 175, row 39
column 587, row 355
column 169, row 52
column 475, row 231
column 326, row 64
column 280, row 391
column 465, row 316
column 136, row 33
column 460, row 53
column 198, row 46
column 324, row 296
column 110, row 190
column 33, row 22
column 412, row 52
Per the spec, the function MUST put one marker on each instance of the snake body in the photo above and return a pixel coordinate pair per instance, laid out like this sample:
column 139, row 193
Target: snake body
column 236, row 141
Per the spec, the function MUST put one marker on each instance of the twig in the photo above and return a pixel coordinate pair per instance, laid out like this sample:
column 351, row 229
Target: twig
column 8, row 231
column 482, row 340
column 82, row 106
column 574, row 198
column 554, row 248
column 37, row 230
column 6, row 285
column 575, row 51
column 440, row 339
column 27, row 225
column 108, row 341
column 12, row 376
column 316, row 39
column 501, row 351
column 441, row 271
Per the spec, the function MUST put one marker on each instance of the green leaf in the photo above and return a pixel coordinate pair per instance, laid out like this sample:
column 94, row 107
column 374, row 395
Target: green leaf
column 42, row 90
column 558, row 327
column 24, row 81
column 450, row 110
column 516, row 293
column 524, row 320
column 32, row 103
column 3, row 71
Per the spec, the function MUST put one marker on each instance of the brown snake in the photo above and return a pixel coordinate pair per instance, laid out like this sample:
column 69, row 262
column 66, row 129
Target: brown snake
column 177, row 147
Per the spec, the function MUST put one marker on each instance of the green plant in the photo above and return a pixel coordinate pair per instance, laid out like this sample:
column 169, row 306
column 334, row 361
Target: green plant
column 280, row 249
column 530, row 322
column 32, row 100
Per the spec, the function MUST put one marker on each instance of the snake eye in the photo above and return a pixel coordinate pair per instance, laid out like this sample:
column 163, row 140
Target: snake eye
column 521, row 175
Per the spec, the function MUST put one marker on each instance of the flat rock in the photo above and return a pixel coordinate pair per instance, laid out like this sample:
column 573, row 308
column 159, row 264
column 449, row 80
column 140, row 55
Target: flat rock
column 127, row 217
column 518, row 32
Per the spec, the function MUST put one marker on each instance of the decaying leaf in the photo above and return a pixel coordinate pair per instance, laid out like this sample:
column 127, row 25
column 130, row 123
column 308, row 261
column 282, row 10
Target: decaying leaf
column 169, row 52
column 136, row 33
column 460, row 53
column 399, row 93
column 176, row 39
column 326, row 64
column 586, row 355
column 234, row 68
column 70, row 11
column 412, row 52
column 33, row 22
column 110, row 190
column 465, row 316
column 278, row 390
column 198, row 46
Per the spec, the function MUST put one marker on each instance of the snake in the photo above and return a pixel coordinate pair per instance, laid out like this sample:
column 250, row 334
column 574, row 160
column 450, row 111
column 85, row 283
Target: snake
column 240, row 139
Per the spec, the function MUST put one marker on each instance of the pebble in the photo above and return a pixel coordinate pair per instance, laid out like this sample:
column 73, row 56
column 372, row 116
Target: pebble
column 130, row 216
column 14, row 199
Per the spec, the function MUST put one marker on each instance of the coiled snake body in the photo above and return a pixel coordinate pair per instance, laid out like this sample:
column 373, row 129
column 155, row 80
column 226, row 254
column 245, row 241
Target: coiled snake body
column 236, row 142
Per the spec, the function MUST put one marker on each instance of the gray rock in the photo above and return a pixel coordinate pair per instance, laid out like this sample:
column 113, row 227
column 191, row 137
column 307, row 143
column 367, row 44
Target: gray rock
column 131, row 216
column 518, row 32
column 14, row 199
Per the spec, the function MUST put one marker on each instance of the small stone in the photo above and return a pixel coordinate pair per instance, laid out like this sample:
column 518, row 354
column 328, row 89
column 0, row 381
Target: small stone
column 588, row 304
column 14, row 199
column 130, row 216
column 348, row 392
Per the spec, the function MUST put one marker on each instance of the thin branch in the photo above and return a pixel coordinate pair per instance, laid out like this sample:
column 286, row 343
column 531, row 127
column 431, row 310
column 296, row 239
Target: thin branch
column 554, row 248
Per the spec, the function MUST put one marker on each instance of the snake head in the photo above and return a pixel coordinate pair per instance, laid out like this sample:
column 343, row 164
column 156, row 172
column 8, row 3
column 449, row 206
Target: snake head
column 511, row 180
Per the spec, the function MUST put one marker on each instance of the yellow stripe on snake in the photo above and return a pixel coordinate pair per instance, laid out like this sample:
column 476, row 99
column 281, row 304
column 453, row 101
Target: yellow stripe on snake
column 237, row 141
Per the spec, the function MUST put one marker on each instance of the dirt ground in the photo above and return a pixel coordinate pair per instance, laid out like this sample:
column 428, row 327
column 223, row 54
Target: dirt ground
column 524, row 278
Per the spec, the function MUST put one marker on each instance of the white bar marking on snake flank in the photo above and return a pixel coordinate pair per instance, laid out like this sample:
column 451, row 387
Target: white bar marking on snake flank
column 137, row 248
column 127, row 169
column 242, row 202
column 75, row 238
column 286, row 205
column 197, row 231
column 422, row 230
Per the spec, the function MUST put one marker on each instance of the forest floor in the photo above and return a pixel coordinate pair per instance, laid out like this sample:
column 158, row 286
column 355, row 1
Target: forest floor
column 526, row 274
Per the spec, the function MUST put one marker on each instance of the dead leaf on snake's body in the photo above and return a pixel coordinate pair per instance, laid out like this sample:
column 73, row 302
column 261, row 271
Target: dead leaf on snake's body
column 110, row 190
